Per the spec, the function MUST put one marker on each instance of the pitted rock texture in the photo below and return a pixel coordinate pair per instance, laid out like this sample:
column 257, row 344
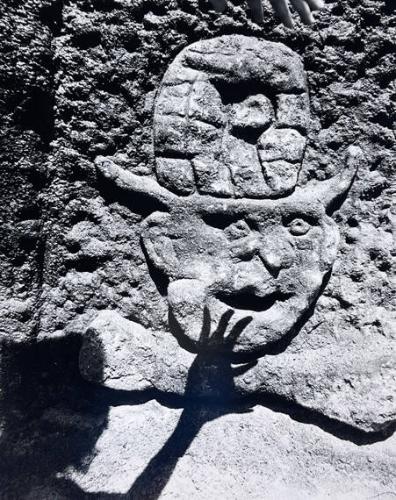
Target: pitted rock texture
column 82, row 79
column 273, row 441
column 27, row 117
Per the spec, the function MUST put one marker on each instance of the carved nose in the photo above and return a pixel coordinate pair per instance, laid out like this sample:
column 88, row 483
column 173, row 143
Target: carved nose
column 272, row 261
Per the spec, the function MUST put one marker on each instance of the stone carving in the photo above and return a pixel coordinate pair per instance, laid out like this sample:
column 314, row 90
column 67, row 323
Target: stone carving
column 233, row 236
column 177, row 413
column 231, row 119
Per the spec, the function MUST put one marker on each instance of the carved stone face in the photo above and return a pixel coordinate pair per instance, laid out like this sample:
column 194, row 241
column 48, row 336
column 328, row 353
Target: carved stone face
column 237, row 232
column 230, row 123
column 267, row 263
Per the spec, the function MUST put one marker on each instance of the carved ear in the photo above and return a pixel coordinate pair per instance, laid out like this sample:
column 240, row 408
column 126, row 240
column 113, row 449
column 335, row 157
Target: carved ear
column 158, row 245
column 333, row 191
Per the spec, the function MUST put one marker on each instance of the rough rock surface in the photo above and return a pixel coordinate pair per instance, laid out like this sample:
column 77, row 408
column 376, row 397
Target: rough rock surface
column 84, row 239
column 204, row 471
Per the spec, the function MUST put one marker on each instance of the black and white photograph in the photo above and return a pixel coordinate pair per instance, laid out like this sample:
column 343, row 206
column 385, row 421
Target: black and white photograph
column 197, row 250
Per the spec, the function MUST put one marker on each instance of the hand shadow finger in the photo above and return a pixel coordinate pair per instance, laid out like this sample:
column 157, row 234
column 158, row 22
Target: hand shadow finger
column 237, row 329
column 218, row 334
column 205, row 331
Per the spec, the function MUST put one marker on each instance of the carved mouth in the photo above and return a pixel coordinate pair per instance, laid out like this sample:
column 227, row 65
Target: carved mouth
column 248, row 301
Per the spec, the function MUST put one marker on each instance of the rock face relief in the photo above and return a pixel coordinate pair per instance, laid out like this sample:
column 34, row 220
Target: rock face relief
column 167, row 278
column 238, row 245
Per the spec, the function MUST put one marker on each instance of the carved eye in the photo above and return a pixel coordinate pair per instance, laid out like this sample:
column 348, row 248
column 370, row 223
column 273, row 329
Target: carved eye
column 299, row 227
column 237, row 230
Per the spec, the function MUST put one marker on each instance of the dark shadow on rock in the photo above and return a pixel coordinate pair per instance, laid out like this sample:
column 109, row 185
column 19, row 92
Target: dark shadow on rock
column 42, row 402
column 340, row 430
column 52, row 418
column 212, row 374
column 210, row 394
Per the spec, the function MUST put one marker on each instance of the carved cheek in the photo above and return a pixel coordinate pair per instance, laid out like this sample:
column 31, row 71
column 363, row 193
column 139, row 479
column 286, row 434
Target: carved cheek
column 204, row 257
column 304, row 274
column 307, row 248
column 306, row 245
column 330, row 243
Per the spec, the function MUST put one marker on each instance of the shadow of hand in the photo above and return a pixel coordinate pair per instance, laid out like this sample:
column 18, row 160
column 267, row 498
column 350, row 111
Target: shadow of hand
column 211, row 376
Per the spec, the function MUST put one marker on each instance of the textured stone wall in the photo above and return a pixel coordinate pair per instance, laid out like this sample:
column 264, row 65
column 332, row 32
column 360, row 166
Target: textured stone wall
column 78, row 81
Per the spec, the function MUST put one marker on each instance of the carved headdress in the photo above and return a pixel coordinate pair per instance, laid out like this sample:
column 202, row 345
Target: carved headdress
column 230, row 119
column 230, row 130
